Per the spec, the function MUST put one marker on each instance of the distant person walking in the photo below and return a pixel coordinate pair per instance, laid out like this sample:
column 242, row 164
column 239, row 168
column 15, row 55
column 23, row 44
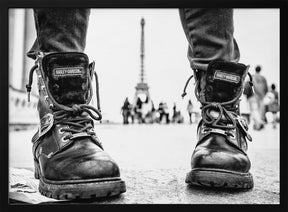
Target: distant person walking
column 244, row 103
column 273, row 104
column 174, row 113
column 163, row 112
column 190, row 110
column 177, row 116
column 126, row 111
column 256, row 102
column 138, row 111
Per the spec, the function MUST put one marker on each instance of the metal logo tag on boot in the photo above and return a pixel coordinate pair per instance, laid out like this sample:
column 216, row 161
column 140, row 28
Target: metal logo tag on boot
column 226, row 76
column 67, row 71
column 46, row 124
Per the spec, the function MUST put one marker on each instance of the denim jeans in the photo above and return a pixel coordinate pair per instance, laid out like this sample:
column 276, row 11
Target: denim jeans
column 60, row 30
column 209, row 33
column 210, row 36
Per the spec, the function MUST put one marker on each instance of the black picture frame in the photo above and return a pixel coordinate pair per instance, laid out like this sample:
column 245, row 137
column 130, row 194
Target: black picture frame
column 4, row 107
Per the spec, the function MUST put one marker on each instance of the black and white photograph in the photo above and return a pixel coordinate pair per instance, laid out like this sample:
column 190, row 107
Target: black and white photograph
column 144, row 106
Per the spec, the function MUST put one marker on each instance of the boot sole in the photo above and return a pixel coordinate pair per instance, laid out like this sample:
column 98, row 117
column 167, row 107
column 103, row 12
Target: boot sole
column 80, row 189
column 218, row 178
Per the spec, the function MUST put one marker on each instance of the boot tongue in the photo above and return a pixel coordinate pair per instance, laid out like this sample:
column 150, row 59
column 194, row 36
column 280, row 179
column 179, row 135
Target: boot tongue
column 67, row 75
column 223, row 81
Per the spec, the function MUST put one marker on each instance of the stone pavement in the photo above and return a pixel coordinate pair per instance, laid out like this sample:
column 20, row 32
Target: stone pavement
column 154, row 160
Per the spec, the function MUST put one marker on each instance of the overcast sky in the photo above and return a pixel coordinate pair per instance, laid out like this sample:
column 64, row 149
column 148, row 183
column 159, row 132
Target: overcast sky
column 113, row 41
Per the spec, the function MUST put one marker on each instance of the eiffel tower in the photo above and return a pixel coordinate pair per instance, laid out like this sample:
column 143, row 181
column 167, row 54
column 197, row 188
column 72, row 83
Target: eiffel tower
column 142, row 88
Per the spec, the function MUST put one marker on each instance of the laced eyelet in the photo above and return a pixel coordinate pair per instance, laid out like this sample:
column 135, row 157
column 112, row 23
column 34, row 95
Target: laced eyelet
column 61, row 131
column 205, row 130
column 230, row 134
column 64, row 139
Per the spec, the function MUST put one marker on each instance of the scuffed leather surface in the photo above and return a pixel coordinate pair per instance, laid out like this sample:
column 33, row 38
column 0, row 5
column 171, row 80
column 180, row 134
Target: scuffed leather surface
column 215, row 151
column 82, row 160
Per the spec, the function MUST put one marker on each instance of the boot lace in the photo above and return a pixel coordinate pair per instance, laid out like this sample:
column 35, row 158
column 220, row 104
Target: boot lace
column 224, row 109
column 75, row 116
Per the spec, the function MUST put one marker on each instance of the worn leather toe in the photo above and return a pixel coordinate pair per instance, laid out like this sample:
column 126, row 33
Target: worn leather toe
column 83, row 160
column 216, row 153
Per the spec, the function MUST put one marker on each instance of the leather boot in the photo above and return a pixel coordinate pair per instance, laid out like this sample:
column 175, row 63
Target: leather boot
column 220, row 158
column 69, row 159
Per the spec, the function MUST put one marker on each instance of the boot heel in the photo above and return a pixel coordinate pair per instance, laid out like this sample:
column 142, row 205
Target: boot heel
column 37, row 170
